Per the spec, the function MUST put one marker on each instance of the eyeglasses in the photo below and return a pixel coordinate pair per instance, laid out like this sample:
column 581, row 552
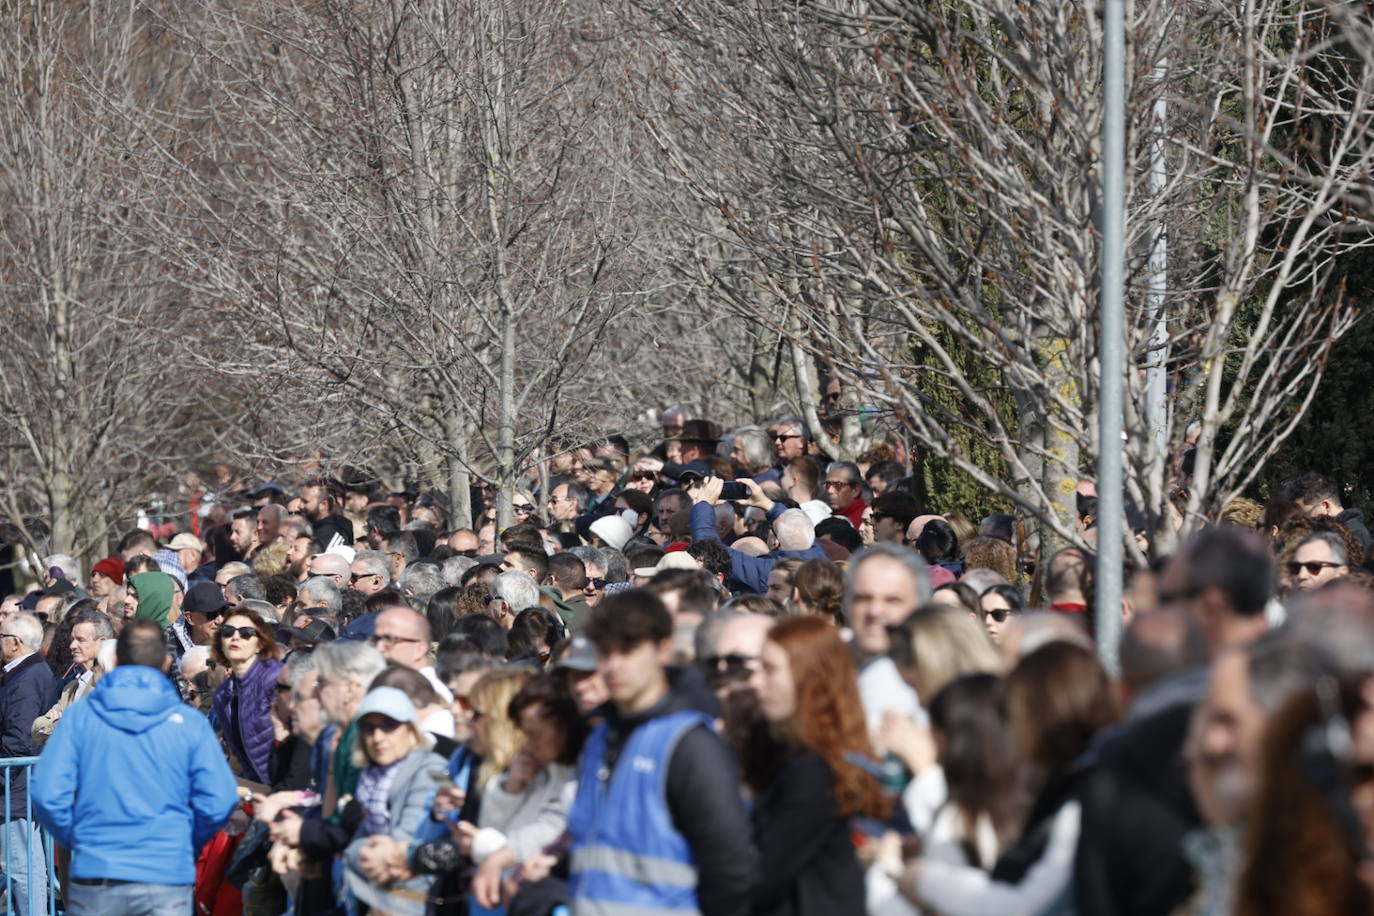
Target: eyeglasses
column 782, row 438
column 644, row 475
column 1313, row 567
column 386, row 639
column 243, row 632
column 523, row 507
column 490, row 598
column 836, row 484
column 1000, row 615
column 283, row 688
column 595, row 585
column 359, row 578
column 8, row 636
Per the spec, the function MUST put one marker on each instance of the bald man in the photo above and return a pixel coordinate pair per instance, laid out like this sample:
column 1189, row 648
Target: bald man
column 333, row 566
column 464, row 542
column 403, row 637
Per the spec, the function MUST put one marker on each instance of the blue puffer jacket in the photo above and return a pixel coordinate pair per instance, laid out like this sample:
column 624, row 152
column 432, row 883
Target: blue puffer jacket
column 250, row 738
column 133, row 781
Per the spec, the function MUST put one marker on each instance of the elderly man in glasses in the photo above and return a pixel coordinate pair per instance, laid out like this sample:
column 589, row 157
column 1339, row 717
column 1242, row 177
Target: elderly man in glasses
column 402, row 636
column 369, row 572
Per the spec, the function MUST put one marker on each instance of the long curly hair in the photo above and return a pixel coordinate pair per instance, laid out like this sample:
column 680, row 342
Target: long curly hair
column 1298, row 860
column 829, row 719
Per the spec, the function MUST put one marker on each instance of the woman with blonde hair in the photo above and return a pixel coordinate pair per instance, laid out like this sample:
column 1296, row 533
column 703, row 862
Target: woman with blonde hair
column 937, row 644
column 932, row 648
column 495, row 735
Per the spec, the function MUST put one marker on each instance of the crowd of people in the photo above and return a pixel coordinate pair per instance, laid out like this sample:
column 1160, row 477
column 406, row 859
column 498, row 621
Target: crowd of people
column 722, row 675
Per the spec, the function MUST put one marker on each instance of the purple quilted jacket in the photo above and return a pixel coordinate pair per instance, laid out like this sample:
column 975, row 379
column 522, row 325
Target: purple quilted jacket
column 250, row 737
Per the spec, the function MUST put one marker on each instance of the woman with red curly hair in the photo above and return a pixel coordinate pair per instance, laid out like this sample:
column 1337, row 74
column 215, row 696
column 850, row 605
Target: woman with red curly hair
column 809, row 694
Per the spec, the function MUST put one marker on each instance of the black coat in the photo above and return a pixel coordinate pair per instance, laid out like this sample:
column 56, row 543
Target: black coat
column 1136, row 809
column 25, row 694
column 807, row 864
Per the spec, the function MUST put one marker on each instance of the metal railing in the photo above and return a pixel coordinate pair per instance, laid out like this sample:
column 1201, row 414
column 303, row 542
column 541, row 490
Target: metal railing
column 36, row 862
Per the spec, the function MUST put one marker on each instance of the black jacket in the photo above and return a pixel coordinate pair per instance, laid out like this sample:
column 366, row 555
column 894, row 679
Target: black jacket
column 1136, row 808
column 1354, row 520
column 807, row 865
column 25, row 694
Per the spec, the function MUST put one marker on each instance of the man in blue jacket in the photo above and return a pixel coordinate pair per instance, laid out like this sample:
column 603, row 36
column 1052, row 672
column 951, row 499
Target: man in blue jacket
column 792, row 529
column 132, row 781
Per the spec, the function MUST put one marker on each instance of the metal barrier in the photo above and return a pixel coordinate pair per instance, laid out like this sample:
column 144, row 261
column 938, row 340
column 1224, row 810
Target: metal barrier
column 36, row 864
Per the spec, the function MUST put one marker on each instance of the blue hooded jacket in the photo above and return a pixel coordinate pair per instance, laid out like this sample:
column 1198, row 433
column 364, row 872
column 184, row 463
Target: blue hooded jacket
column 133, row 781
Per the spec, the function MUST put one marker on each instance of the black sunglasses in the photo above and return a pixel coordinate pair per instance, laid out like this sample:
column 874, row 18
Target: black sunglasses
column 243, row 632
column 1313, row 567
column 728, row 663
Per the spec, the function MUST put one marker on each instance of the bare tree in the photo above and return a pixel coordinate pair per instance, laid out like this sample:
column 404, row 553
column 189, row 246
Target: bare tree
column 909, row 192
column 405, row 204
column 95, row 413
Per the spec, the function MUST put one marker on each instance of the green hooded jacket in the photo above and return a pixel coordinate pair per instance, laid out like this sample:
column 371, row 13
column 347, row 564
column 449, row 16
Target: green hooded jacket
column 154, row 596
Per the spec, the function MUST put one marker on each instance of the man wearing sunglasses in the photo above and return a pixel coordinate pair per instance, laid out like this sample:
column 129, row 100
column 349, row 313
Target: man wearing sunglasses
column 369, row 572
column 1319, row 558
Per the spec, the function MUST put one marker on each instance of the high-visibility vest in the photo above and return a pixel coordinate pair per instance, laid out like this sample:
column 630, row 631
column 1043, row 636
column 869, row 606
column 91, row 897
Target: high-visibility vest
column 627, row 857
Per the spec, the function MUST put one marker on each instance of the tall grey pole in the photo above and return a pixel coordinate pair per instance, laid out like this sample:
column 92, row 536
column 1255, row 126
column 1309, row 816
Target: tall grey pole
column 1156, row 382
column 1111, row 325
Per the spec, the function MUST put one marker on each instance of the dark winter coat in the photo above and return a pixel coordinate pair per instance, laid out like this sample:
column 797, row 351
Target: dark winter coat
column 246, row 725
column 25, row 694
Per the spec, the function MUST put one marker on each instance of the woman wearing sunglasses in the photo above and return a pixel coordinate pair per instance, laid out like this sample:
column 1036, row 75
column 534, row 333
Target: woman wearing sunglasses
column 999, row 602
column 396, row 783
column 242, row 709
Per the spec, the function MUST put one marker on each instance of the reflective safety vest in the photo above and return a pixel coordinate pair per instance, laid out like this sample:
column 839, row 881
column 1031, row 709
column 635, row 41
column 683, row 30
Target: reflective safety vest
column 627, row 857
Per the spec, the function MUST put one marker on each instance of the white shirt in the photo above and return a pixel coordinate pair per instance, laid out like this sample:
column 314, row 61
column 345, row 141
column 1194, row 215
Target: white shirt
column 881, row 688
column 816, row 510
column 83, row 683
column 439, row 686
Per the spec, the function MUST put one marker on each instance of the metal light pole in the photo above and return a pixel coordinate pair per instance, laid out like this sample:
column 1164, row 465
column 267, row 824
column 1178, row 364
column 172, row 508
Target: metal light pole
column 1112, row 341
column 1156, row 382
